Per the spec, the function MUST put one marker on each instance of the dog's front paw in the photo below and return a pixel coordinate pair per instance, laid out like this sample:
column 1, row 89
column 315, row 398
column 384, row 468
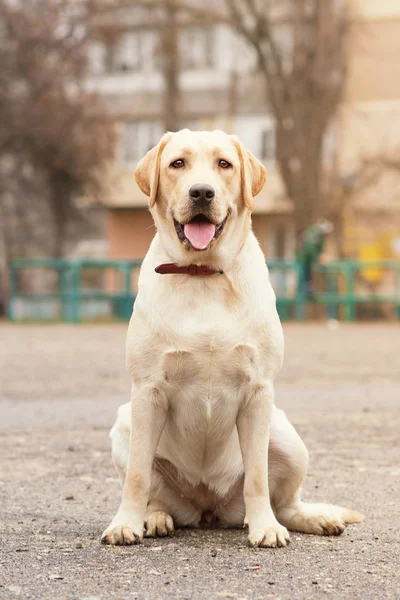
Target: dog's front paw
column 269, row 536
column 159, row 524
column 123, row 532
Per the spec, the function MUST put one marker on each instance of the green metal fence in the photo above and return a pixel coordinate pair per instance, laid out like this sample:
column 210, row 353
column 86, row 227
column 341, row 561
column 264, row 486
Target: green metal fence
column 82, row 290
column 288, row 282
column 346, row 287
column 71, row 296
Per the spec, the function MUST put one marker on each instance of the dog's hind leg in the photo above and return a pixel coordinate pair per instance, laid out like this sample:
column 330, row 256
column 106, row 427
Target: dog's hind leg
column 288, row 462
column 320, row 519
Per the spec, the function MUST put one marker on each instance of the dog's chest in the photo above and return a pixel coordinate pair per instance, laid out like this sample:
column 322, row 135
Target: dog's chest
column 205, row 388
column 212, row 366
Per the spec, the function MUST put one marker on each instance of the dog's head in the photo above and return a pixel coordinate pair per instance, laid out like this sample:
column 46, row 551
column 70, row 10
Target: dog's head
column 201, row 186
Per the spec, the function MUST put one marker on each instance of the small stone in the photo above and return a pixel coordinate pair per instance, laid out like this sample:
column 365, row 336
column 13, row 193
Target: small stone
column 214, row 552
column 69, row 497
column 14, row 589
column 55, row 577
column 86, row 479
column 78, row 545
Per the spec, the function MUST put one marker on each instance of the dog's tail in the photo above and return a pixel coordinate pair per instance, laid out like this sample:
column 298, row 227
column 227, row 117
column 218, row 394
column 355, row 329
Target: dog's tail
column 320, row 519
column 349, row 516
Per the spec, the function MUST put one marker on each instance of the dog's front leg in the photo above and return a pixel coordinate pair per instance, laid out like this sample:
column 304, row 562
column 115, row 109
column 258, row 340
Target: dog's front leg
column 149, row 412
column 253, row 425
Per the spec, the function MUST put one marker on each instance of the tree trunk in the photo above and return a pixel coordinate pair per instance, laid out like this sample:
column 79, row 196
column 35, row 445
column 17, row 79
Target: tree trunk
column 298, row 154
column 60, row 198
column 171, row 67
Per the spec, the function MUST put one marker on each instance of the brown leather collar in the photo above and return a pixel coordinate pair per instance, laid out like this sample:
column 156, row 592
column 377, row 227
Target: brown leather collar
column 172, row 268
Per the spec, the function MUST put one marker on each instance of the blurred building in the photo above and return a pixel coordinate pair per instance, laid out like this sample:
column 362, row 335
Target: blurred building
column 217, row 71
column 220, row 88
column 369, row 131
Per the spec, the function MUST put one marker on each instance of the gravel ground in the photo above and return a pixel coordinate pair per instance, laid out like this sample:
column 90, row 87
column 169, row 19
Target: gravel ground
column 59, row 389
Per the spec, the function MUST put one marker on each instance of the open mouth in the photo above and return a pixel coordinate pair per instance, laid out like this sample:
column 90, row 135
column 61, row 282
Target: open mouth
column 199, row 232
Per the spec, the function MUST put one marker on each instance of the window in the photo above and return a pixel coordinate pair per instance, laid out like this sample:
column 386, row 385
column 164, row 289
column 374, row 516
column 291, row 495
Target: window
column 278, row 236
column 126, row 54
column 196, row 48
column 138, row 137
column 257, row 132
column 97, row 58
column 267, row 144
column 280, row 241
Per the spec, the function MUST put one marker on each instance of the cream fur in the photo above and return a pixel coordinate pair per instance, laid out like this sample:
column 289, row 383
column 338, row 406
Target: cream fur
column 203, row 353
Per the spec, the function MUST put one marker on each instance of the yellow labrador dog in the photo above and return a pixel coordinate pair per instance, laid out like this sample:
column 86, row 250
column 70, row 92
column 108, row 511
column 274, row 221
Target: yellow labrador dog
column 201, row 441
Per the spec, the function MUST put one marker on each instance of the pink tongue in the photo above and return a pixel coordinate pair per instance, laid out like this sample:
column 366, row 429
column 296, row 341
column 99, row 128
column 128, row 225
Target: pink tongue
column 199, row 234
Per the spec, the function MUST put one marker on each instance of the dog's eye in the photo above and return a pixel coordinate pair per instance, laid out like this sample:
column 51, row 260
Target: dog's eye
column 178, row 164
column 224, row 164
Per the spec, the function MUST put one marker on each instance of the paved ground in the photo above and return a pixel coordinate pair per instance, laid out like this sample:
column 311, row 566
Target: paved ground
column 59, row 388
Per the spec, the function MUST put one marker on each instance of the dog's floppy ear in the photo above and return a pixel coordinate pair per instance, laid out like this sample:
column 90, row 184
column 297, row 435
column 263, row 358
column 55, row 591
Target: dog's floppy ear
column 253, row 174
column 147, row 173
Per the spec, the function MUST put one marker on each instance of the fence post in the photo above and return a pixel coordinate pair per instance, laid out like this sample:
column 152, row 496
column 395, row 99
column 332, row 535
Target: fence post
column 300, row 302
column 68, row 293
column 332, row 290
column 13, row 291
column 63, row 292
column 76, row 291
column 350, row 300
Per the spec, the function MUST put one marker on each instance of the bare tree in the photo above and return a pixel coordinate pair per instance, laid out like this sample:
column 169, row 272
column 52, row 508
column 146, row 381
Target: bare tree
column 301, row 50
column 50, row 122
column 37, row 55
column 68, row 145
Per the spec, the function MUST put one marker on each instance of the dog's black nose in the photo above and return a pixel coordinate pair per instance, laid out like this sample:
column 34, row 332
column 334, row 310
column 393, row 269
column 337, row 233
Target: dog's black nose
column 202, row 194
